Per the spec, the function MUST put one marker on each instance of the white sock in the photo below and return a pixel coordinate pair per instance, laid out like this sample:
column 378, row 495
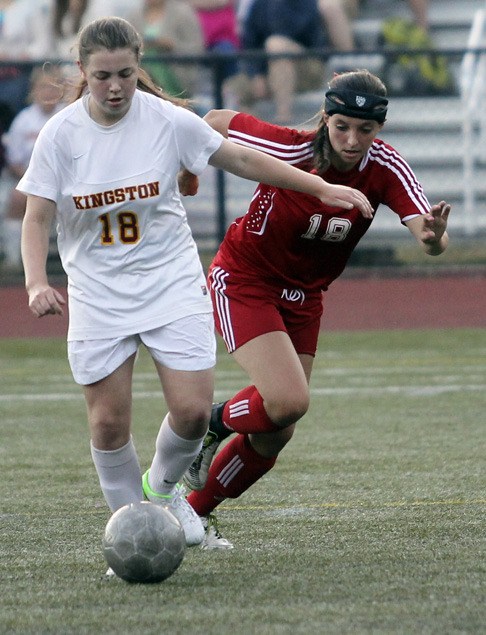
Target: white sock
column 119, row 474
column 173, row 455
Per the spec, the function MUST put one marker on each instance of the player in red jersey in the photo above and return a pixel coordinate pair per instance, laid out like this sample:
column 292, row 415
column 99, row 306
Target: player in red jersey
column 274, row 263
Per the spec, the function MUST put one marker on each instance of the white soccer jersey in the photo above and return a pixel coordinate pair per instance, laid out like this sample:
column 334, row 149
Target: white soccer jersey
column 123, row 235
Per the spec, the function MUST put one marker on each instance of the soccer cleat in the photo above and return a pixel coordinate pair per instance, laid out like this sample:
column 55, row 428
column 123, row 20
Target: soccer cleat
column 176, row 503
column 213, row 538
column 196, row 476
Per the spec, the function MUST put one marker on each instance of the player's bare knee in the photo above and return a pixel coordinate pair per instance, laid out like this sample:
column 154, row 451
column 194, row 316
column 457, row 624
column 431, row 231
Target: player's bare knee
column 107, row 434
column 191, row 419
column 109, row 423
column 288, row 409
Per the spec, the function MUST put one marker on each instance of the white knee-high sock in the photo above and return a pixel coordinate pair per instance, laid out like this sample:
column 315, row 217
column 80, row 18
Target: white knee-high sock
column 119, row 474
column 173, row 455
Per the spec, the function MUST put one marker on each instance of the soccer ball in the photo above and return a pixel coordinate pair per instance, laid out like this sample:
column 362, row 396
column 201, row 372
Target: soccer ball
column 143, row 542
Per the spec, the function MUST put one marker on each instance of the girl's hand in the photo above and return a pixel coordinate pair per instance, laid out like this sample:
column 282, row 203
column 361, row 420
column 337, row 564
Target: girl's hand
column 45, row 301
column 188, row 183
column 435, row 222
column 346, row 197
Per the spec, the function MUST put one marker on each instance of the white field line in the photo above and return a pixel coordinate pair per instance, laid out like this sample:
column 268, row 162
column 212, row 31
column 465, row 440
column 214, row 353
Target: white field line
column 351, row 391
column 348, row 372
column 307, row 509
column 283, row 510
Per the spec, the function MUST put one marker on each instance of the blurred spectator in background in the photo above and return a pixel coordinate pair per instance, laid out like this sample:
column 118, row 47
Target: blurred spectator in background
column 337, row 16
column 68, row 16
column 35, row 31
column 219, row 27
column 422, row 71
column 170, row 26
column 19, row 41
column 420, row 11
column 104, row 8
column 283, row 26
column 46, row 95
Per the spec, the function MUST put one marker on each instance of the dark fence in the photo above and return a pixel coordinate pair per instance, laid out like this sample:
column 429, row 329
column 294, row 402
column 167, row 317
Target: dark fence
column 401, row 70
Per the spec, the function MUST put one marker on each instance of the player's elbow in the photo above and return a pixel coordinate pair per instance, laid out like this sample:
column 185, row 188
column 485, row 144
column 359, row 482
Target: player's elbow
column 219, row 120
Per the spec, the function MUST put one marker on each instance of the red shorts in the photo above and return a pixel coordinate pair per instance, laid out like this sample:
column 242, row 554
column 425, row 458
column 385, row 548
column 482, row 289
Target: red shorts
column 244, row 310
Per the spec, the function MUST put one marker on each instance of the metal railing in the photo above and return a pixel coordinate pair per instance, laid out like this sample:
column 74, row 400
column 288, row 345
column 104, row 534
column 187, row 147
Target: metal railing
column 473, row 93
column 471, row 62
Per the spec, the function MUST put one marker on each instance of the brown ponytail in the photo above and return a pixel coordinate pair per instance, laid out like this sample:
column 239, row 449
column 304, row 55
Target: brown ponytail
column 322, row 148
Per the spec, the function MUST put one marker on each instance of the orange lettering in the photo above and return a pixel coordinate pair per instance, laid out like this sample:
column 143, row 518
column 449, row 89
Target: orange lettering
column 154, row 188
column 109, row 197
column 131, row 189
column 97, row 199
column 77, row 202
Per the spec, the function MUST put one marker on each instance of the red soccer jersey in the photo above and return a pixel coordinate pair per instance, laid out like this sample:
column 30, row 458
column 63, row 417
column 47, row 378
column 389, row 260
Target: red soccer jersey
column 294, row 240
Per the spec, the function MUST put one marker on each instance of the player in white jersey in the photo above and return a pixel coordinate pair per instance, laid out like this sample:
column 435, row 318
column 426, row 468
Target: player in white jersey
column 106, row 169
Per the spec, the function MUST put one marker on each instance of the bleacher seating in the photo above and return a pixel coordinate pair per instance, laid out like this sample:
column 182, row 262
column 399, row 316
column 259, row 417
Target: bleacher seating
column 428, row 131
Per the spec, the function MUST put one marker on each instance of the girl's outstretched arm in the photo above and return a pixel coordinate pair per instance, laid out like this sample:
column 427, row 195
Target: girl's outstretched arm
column 257, row 166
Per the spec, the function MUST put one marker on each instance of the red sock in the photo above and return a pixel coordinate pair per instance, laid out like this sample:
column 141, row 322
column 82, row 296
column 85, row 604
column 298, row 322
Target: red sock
column 245, row 413
column 234, row 469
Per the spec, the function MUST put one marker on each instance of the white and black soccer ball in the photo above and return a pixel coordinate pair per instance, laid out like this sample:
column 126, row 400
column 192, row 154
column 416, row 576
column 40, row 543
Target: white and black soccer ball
column 143, row 542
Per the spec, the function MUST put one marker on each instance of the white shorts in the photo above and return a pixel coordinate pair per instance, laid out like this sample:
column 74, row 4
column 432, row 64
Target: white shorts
column 186, row 344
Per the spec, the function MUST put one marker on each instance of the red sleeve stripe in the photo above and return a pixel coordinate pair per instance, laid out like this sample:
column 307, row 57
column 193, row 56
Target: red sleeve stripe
column 390, row 159
column 286, row 152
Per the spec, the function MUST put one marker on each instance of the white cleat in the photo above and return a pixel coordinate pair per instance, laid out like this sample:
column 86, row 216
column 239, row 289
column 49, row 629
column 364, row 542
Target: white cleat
column 213, row 538
column 176, row 503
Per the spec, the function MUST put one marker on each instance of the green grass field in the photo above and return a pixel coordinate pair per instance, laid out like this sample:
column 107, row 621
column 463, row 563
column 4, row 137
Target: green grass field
column 373, row 520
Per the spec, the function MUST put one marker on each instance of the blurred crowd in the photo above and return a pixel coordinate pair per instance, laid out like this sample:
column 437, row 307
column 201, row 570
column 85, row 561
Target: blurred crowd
column 33, row 33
